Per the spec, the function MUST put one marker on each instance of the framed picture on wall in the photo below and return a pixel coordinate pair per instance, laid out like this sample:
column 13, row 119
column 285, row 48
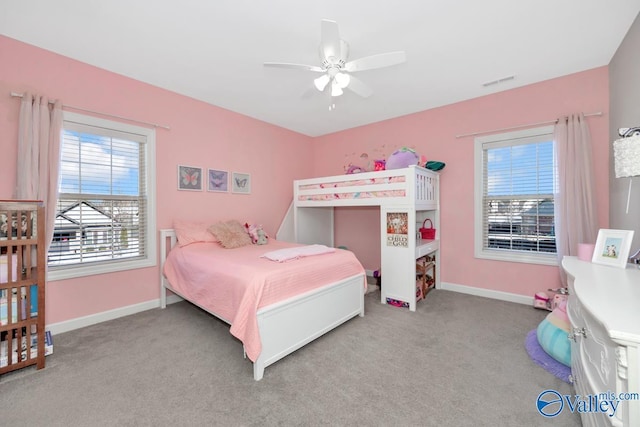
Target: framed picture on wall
column 241, row 183
column 189, row 178
column 612, row 247
column 218, row 180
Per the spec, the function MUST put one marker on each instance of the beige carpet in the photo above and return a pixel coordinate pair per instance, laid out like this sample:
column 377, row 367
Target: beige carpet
column 459, row 360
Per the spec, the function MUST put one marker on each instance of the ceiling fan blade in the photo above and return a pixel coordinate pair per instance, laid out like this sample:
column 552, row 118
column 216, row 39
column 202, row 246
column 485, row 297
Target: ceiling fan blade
column 329, row 39
column 376, row 61
column 359, row 88
column 295, row 66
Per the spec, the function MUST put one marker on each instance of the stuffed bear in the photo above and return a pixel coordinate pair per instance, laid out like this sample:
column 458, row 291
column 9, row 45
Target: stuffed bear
column 256, row 233
column 262, row 237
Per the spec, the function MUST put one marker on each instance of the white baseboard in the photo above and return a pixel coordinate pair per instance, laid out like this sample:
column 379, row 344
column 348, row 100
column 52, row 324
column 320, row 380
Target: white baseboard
column 487, row 293
column 81, row 322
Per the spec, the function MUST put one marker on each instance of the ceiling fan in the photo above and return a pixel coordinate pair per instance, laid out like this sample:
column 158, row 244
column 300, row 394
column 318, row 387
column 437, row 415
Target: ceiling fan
column 336, row 69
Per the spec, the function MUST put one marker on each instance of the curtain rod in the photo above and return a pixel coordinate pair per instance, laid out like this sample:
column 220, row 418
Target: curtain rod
column 599, row 113
column 155, row 125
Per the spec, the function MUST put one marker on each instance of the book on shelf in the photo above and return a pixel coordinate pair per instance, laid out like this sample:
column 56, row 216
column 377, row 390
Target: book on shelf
column 4, row 348
column 48, row 343
column 4, row 303
column 4, row 268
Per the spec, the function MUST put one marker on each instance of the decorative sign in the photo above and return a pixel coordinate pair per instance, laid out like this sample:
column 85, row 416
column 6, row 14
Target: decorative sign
column 397, row 229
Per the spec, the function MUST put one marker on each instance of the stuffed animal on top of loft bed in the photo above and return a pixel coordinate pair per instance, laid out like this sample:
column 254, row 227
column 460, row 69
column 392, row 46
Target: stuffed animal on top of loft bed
column 405, row 157
column 399, row 159
column 402, row 158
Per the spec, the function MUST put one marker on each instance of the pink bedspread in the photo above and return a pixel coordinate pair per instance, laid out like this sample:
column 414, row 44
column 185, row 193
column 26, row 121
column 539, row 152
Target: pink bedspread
column 235, row 283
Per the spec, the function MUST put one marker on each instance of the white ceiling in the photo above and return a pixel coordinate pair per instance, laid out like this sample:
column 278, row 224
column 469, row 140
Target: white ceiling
column 214, row 50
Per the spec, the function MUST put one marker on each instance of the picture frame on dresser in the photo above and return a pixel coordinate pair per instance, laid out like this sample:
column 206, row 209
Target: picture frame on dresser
column 612, row 247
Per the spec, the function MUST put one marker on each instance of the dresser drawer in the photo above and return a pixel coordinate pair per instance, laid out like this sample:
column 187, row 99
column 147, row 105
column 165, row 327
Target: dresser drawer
column 598, row 354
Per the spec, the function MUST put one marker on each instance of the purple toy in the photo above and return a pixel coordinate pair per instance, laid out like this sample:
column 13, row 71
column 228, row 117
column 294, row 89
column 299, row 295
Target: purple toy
column 402, row 158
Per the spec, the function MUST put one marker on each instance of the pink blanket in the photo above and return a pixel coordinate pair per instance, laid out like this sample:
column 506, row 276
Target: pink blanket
column 235, row 283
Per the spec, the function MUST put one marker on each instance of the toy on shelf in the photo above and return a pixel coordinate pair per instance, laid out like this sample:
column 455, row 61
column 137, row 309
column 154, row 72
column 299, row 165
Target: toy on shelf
column 434, row 165
column 379, row 165
column 402, row 158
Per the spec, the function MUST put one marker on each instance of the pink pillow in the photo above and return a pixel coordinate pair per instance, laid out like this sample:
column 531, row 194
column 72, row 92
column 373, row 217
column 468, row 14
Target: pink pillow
column 230, row 234
column 189, row 232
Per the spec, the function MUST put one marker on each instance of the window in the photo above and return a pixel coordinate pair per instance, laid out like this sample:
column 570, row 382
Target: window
column 514, row 208
column 105, row 219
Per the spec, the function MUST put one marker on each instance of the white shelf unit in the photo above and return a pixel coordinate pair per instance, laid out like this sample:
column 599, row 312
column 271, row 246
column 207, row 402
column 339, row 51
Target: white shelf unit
column 411, row 194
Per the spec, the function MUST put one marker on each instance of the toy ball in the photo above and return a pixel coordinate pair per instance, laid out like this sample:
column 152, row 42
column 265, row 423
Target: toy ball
column 402, row 158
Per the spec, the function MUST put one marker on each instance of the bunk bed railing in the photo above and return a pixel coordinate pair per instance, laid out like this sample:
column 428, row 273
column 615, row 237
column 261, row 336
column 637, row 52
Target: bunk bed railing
column 414, row 186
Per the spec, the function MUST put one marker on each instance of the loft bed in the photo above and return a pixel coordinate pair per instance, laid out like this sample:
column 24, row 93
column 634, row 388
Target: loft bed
column 274, row 308
column 407, row 198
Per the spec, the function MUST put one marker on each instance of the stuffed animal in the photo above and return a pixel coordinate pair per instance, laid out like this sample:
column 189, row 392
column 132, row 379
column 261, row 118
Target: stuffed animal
column 255, row 231
column 402, row 158
column 262, row 237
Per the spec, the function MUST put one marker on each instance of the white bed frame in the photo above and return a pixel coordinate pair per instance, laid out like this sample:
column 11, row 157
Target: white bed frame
column 288, row 325
column 313, row 220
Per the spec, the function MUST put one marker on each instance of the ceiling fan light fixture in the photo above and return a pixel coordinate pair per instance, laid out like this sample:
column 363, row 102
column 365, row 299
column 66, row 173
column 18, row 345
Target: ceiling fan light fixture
column 321, row 82
column 336, row 90
column 336, row 68
column 342, row 80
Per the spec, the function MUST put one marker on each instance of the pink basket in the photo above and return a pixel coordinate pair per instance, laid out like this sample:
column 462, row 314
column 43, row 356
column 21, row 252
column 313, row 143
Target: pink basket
column 427, row 233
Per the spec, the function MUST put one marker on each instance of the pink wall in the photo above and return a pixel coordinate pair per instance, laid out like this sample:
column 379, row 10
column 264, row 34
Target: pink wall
column 201, row 135
column 433, row 134
column 208, row 136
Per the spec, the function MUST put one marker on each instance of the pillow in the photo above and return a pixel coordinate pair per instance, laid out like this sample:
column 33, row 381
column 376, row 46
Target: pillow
column 230, row 234
column 553, row 334
column 189, row 232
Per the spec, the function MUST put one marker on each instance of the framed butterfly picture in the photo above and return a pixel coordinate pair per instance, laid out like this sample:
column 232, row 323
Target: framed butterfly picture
column 240, row 183
column 189, row 178
column 218, row 180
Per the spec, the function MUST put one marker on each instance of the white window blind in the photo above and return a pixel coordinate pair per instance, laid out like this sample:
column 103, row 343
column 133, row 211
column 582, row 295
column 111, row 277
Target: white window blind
column 103, row 215
column 515, row 199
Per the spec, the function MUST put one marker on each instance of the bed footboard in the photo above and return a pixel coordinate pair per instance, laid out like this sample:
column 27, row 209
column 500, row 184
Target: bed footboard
column 305, row 318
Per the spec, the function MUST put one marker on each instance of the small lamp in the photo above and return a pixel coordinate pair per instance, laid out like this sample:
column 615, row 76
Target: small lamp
column 627, row 159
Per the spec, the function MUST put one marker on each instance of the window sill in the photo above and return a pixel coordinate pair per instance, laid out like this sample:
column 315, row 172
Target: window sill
column 512, row 256
column 90, row 270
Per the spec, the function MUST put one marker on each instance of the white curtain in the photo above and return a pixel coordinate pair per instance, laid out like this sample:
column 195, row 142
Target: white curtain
column 39, row 155
column 576, row 215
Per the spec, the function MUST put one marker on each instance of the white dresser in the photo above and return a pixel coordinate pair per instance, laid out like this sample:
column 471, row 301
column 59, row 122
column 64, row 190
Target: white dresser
column 604, row 310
